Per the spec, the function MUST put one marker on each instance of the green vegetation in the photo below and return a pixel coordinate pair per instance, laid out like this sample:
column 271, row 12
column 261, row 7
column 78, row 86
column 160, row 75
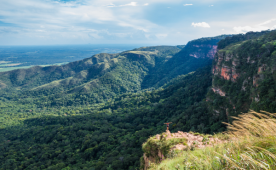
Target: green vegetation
column 96, row 113
column 153, row 145
column 108, row 136
column 253, row 62
column 250, row 145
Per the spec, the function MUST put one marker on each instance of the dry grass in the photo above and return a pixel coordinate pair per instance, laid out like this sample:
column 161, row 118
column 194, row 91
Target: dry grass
column 251, row 145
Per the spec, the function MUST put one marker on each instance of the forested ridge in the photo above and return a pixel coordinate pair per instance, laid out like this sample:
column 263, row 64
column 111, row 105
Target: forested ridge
column 96, row 113
column 244, row 75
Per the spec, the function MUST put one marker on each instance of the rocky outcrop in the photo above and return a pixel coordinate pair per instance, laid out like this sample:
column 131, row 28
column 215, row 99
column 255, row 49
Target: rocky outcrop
column 244, row 76
column 225, row 66
column 204, row 51
column 154, row 148
column 218, row 91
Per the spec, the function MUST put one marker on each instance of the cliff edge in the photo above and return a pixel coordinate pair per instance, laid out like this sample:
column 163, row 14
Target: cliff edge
column 167, row 144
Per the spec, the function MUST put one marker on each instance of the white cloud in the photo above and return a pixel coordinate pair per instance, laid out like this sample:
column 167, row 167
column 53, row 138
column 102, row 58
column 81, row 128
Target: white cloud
column 249, row 28
column 110, row 5
column 187, row 4
column 130, row 4
column 201, row 24
column 146, row 4
column 260, row 27
column 267, row 22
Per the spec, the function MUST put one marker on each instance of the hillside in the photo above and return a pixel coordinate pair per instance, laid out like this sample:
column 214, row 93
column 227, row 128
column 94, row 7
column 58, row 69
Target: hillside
column 104, row 76
column 249, row 143
column 167, row 145
column 97, row 113
column 244, row 76
column 197, row 53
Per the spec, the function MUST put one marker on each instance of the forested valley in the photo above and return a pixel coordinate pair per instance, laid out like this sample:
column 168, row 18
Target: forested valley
column 96, row 113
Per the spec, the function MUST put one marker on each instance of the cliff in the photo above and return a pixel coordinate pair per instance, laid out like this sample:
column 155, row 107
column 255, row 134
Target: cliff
column 243, row 76
column 196, row 54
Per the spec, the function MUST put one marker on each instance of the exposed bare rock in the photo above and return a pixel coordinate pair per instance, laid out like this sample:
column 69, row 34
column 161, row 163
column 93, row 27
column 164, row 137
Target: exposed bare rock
column 225, row 72
column 193, row 141
column 212, row 50
column 218, row 91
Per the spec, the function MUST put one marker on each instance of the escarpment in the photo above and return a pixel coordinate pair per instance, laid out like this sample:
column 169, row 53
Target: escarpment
column 243, row 76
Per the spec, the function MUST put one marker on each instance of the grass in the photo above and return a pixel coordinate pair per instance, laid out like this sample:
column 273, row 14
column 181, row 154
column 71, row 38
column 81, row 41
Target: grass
column 251, row 145
column 154, row 146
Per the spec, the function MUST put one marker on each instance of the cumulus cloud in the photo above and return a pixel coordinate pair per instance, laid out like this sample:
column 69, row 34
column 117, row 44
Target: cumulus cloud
column 187, row 4
column 201, row 24
column 146, row 4
column 260, row 27
column 59, row 20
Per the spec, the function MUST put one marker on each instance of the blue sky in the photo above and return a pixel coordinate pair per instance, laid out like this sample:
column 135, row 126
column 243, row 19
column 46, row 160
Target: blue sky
column 156, row 22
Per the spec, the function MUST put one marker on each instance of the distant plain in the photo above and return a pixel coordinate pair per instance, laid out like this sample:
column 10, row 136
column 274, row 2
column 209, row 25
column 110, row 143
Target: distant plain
column 18, row 57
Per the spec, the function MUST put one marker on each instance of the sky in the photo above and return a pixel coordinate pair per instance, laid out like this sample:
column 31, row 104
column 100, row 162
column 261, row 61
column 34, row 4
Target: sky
column 155, row 22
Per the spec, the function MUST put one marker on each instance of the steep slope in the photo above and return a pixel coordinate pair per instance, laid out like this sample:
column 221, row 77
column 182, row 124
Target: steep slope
column 109, row 112
column 244, row 76
column 197, row 53
column 101, row 77
column 104, row 76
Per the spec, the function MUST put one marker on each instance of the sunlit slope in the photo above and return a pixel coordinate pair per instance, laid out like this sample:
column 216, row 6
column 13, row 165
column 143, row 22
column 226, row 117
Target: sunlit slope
column 36, row 76
column 104, row 76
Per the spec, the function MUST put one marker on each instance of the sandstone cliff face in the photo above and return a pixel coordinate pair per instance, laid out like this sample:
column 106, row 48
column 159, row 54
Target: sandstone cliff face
column 208, row 52
column 203, row 48
column 225, row 66
column 239, row 71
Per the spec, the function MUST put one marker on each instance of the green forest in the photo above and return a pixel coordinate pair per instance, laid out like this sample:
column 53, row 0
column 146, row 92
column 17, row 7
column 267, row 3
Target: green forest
column 110, row 137
column 96, row 113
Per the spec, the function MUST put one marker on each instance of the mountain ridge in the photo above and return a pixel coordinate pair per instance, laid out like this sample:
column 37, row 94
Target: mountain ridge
column 99, row 117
